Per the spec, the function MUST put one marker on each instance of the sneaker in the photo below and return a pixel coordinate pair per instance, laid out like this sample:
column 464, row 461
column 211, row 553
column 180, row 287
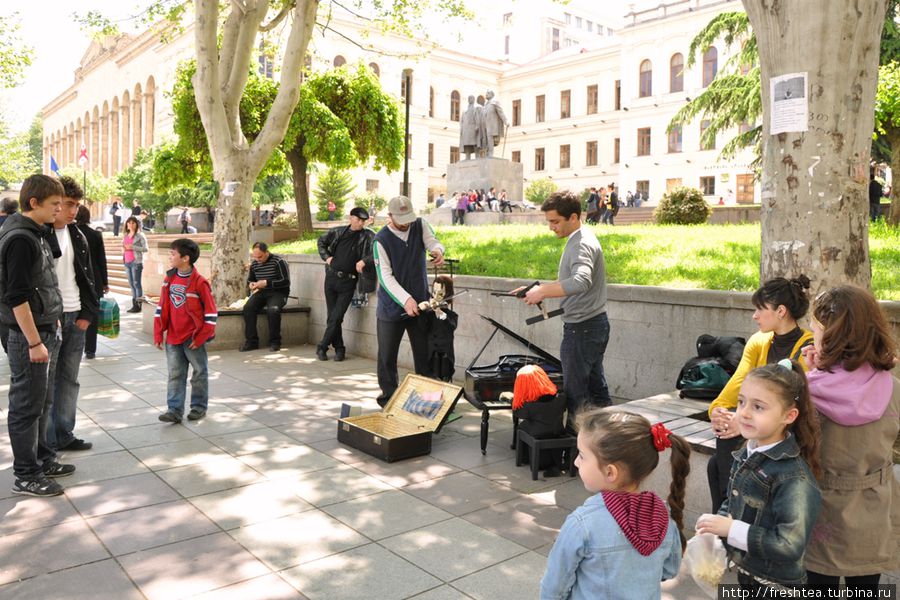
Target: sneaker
column 196, row 414
column 77, row 444
column 245, row 347
column 274, row 347
column 170, row 417
column 42, row 487
column 320, row 354
column 340, row 354
column 55, row 469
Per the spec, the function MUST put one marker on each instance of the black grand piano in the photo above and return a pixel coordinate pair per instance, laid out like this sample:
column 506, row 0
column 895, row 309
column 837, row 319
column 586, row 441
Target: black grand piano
column 485, row 383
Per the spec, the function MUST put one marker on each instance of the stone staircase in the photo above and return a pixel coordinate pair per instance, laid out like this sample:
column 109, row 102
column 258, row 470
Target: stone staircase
column 115, row 268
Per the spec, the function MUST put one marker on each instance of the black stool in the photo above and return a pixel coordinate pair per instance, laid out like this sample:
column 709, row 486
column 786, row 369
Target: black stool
column 535, row 446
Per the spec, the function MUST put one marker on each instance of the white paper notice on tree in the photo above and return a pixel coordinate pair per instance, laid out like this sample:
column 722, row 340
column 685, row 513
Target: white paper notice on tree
column 790, row 106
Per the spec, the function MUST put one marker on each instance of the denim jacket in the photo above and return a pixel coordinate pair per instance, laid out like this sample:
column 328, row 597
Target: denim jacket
column 775, row 492
column 592, row 559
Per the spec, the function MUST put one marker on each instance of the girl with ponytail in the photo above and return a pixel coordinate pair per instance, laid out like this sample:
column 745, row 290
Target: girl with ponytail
column 622, row 542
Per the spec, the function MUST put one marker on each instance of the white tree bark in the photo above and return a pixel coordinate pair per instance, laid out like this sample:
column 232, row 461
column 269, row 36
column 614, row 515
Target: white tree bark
column 814, row 184
column 218, row 85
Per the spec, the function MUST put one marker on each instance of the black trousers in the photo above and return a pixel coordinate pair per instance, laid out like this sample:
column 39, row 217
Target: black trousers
column 90, row 336
column 718, row 469
column 273, row 302
column 390, row 334
column 338, row 294
column 862, row 582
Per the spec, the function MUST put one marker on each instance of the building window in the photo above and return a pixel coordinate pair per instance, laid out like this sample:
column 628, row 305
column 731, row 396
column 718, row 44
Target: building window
column 538, row 159
column 430, row 154
column 371, row 185
column 565, row 104
column 454, row 105
column 578, row 22
column 646, row 79
column 676, row 73
column 618, row 95
column 568, row 18
column 454, row 154
column 539, row 109
column 710, row 65
column 375, row 69
column 517, row 156
column 565, row 153
column 590, row 26
column 675, row 139
column 643, row 141
column 593, row 94
column 431, row 102
column 616, row 146
column 506, row 44
column 554, row 40
column 339, row 61
column 643, row 188
column 516, row 113
column 590, row 154
column 507, row 19
column 708, row 186
column 711, row 145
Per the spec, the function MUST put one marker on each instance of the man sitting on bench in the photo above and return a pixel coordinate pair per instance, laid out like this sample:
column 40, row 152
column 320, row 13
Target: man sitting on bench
column 269, row 282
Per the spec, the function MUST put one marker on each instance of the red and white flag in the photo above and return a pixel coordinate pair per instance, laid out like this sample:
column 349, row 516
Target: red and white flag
column 83, row 157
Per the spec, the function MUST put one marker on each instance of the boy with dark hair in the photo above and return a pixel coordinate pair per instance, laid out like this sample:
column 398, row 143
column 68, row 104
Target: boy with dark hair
column 187, row 315
column 31, row 306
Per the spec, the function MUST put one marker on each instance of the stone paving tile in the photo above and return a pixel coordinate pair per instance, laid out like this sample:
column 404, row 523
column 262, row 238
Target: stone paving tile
column 267, row 587
column 312, row 430
column 386, row 514
column 221, row 422
column 514, row 579
column 452, row 549
column 250, row 504
column 188, row 568
column 569, row 495
column 104, row 399
column 97, row 467
column 21, row 513
column 210, row 476
column 124, row 493
column 151, row 435
column 272, row 412
column 342, row 452
column 150, row 526
column 525, row 521
column 461, row 493
column 102, row 580
column 360, row 574
column 37, row 551
column 465, row 453
column 406, row 472
column 339, row 484
column 133, row 417
column 506, row 473
column 251, row 442
column 297, row 539
column 178, row 454
column 289, row 461
column 93, row 433
column 445, row 592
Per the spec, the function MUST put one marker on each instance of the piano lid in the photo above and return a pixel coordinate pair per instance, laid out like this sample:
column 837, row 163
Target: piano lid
column 530, row 346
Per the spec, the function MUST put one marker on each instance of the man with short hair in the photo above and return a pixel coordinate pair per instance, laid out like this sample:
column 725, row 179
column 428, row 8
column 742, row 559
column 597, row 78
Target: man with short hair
column 270, row 283
column 75, row 275
column 347, row 252
column 8, row 206
column 31, row 306
column 582, row 286
column 400, row 249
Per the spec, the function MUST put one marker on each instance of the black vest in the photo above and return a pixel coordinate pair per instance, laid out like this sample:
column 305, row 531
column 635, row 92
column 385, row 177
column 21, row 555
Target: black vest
column 408, row 264
column 46, row 304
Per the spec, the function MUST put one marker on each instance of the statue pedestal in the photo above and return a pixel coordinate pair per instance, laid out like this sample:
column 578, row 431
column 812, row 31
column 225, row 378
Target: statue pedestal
column 486, row 173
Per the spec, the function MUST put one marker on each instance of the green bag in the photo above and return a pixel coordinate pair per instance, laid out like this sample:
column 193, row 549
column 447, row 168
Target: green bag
column 108, row 319
column 702, row 378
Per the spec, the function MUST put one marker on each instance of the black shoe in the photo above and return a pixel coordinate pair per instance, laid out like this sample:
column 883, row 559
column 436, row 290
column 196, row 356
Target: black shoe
column 320, row 354
column 41, row 488
column 340, row 354
column 55, row 469
column 382, row 401
column 248, row 347
column 77, row 444
column 196, row 414
column 274, row 347
column 170, row 417
column 90, row 355
column 135, row 306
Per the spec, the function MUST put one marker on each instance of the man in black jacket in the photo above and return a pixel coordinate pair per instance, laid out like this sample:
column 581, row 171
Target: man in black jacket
column 270, row 284
column 347, row 252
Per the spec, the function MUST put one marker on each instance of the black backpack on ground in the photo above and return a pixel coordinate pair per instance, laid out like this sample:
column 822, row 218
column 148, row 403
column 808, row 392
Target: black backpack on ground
column 704, row 376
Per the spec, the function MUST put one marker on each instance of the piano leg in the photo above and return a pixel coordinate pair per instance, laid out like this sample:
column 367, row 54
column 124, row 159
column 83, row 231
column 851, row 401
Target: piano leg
column 485, row 417
column 515, row 433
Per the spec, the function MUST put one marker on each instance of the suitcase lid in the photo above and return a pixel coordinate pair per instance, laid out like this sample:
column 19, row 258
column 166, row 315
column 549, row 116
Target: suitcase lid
column 395, row 408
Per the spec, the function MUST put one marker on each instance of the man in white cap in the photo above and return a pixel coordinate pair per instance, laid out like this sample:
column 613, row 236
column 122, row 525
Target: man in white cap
column 403, row 274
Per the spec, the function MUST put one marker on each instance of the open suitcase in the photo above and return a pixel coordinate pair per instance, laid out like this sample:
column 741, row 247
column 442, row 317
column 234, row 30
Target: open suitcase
column 418, row 409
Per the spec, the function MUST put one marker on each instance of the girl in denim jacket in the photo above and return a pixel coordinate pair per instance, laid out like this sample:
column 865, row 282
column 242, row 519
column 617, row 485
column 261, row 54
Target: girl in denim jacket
column 773, row 499
column 621, row 543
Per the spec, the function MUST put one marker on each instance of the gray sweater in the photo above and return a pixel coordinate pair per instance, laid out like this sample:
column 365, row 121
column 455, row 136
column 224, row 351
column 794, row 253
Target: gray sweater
column 582, row 274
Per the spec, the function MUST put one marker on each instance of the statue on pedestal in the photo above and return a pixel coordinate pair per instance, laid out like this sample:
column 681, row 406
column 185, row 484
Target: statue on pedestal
column 495, row 123
column 472, row 136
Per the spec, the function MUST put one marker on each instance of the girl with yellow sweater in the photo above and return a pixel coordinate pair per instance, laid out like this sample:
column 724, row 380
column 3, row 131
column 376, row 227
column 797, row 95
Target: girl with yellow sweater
column 779, row 303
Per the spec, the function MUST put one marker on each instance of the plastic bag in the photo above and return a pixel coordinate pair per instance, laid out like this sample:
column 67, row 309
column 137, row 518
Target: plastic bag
column 706, row 561
column 108, row 318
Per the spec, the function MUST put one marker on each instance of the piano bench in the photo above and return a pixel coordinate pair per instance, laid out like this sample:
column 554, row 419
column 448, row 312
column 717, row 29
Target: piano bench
column 535, row 446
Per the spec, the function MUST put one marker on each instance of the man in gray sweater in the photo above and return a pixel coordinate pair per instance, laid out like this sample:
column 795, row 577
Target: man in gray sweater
column 582, row 286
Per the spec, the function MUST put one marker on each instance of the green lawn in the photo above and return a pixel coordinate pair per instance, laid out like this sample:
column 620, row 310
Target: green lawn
column 715, row 257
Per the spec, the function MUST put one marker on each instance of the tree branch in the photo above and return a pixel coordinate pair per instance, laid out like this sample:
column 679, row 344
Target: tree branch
column 325, row 26
column 207, row 91
column 233, row 87
column 285, row 11
column 229, row 39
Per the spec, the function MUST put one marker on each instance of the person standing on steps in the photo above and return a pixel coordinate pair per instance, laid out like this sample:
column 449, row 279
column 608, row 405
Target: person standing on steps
column 134, row 245
column 116, row 212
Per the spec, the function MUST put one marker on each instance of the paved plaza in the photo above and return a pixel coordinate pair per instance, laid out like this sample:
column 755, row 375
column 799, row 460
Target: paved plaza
column 259, row 501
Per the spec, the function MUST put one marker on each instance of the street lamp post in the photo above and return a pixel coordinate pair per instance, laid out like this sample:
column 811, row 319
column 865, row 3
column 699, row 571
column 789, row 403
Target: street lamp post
column 407, row 78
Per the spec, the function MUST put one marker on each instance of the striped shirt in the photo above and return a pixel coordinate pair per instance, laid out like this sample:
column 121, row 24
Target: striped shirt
column 274, row 272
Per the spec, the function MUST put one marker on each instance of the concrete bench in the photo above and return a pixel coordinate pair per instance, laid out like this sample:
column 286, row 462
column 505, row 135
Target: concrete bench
column 683, row 416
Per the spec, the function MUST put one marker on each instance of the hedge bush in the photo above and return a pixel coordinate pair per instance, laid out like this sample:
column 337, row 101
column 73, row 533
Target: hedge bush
column 682, row 206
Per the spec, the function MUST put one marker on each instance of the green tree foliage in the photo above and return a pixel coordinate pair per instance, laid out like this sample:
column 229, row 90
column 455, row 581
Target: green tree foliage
column 15, row 55
column 370, row 201
column 539, row 190
column 333, row 186
column 682, row 206
column 16, row 159
column 97, row 188
column 887, row 126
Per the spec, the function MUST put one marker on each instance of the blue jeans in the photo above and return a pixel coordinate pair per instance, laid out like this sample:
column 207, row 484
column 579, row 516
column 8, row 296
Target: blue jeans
column 134, row 278
column 178, row 357
column 581, row 352
column 29, row 405
column 64, row 384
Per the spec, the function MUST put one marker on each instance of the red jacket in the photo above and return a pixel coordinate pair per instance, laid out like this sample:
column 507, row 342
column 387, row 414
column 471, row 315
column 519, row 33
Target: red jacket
column 186, row 310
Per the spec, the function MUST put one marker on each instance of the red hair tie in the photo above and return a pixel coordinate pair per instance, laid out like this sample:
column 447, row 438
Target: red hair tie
column 661, row 437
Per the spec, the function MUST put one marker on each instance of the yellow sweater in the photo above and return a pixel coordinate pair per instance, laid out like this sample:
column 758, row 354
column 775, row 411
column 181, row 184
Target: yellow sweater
column 755, row 353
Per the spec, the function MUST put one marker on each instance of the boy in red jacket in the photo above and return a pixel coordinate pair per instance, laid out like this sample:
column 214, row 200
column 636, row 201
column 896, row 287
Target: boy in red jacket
column 187, row 312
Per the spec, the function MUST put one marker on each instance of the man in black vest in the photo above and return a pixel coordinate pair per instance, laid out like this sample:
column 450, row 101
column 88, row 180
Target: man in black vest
column 31, row 306
column 347, row 252
column 400, row 264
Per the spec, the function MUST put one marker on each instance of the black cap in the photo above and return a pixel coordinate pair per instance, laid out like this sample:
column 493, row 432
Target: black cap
column 360, row 213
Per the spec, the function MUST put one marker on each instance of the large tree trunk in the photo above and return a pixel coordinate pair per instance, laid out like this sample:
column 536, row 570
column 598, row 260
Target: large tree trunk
column 814, row 184
column 894, row 141
column 231, row 237
column 299, row 169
